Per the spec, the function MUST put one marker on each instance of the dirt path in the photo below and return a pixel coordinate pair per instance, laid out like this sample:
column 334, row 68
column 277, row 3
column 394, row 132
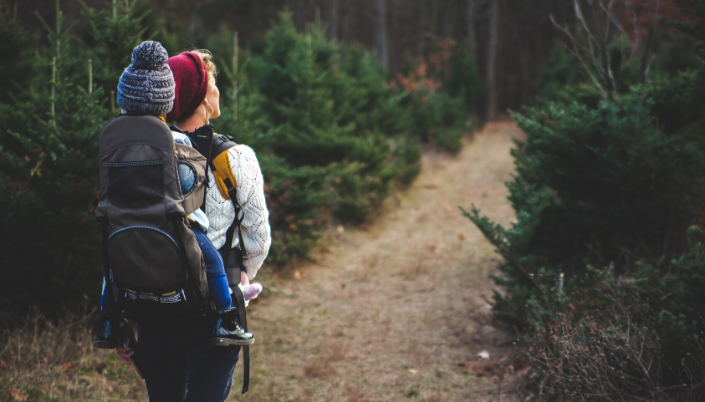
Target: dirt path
column 383, row 315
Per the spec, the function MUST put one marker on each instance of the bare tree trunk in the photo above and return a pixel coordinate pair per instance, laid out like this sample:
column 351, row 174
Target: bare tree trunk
column 333, row 16
column 617, row 14
column 421, row 27
column 381, row 32
column 492, row 59
column 471, row 27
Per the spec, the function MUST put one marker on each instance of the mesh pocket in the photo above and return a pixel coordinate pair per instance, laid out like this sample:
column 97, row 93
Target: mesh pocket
column 187, row 178
column 136, row 185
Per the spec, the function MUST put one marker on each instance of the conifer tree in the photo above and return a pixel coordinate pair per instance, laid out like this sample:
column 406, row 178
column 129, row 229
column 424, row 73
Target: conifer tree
column 16, row 45
column 49, row 173
column 111, row 36
column 319, row 110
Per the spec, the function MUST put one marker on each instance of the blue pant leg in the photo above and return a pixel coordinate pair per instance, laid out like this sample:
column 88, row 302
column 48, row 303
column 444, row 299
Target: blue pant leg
column 215, row 270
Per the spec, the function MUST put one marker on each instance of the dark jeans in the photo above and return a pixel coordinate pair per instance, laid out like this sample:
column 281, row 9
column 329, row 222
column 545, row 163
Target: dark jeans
column 179, row 365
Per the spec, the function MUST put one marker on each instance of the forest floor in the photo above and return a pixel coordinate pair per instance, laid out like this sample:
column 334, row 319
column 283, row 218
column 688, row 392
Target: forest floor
column 393, row 310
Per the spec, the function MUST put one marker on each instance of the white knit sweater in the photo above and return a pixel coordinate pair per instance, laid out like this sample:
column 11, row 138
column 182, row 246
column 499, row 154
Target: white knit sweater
column 250, row 194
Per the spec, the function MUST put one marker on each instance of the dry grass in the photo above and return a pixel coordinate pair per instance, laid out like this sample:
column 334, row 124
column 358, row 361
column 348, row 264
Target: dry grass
column 318, row 369
column 613, row 354
column 44, row 361
column 384, row 314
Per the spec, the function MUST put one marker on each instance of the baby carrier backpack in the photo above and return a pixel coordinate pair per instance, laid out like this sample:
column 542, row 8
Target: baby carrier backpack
column 214, row 148
column 152, row 262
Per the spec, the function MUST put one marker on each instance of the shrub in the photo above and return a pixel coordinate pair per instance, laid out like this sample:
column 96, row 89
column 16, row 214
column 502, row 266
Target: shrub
column 331, row 111
column 592, row 187
column 464, row 79
column 636, row 336
column 440, row 118
column 49, row 174
column 16, row 48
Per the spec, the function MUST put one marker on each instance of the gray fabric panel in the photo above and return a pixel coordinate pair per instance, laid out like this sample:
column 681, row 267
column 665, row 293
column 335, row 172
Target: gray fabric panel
column 194, row 200
column 126, row 129
column 158, row 265
column 139, row 138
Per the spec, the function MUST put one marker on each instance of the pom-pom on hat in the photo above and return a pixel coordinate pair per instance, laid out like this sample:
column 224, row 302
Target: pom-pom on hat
column 191, row 80
column 147, row 85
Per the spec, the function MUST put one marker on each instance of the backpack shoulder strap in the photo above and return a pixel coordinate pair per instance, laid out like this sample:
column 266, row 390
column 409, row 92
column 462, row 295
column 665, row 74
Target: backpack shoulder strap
column 227, row 184
column 222, row 171
column 221, row 143
column 220, row 164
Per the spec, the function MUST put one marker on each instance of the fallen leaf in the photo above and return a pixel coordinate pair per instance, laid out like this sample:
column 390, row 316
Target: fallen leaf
column 484, row 355
column 18, row 395
column 323, row 250
column 412, row 371
column 65, row 367
column 297, row 275
column 430, row 186
column 482, row 369
column 100, row 367
column 2, row 364
column 461, row 237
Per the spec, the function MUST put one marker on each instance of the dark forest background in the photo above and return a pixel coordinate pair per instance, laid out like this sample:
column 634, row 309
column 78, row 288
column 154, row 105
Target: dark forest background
column 510, row 40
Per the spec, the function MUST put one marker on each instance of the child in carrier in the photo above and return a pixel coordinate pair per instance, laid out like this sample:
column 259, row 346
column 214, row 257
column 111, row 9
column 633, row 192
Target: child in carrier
column 147, row 88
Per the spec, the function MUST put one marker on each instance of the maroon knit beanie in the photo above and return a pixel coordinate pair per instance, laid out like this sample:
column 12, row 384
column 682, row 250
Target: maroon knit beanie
column 191, row 80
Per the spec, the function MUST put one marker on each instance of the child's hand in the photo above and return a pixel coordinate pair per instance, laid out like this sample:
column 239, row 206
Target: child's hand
column 251, row 291
column 124, row 351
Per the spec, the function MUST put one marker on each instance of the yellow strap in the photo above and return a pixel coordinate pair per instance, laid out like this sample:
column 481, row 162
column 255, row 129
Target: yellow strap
column 223, row 170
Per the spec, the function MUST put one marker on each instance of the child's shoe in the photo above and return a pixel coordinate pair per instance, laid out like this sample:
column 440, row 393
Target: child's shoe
column 227, row 330
column 107, row 335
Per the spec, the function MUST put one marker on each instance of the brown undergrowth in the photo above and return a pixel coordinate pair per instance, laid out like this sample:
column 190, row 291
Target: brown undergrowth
column 45, row 361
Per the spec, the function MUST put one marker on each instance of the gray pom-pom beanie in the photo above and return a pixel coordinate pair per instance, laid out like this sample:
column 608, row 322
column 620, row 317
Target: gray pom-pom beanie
column 147, row 85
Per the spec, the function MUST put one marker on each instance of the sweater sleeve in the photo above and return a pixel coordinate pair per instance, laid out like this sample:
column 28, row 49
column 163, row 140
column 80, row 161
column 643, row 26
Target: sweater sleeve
column 250, row 194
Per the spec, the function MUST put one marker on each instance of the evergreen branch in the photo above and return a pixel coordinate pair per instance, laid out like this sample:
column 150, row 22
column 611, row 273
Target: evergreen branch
column 73, row 245
column 32, row 171
column 495, row 233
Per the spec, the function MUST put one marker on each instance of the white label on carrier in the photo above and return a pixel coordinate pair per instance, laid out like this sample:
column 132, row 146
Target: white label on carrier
column 175, row 298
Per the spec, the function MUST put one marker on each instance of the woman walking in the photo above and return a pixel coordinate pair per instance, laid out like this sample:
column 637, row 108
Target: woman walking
column 180, row 364
column 197, row 101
